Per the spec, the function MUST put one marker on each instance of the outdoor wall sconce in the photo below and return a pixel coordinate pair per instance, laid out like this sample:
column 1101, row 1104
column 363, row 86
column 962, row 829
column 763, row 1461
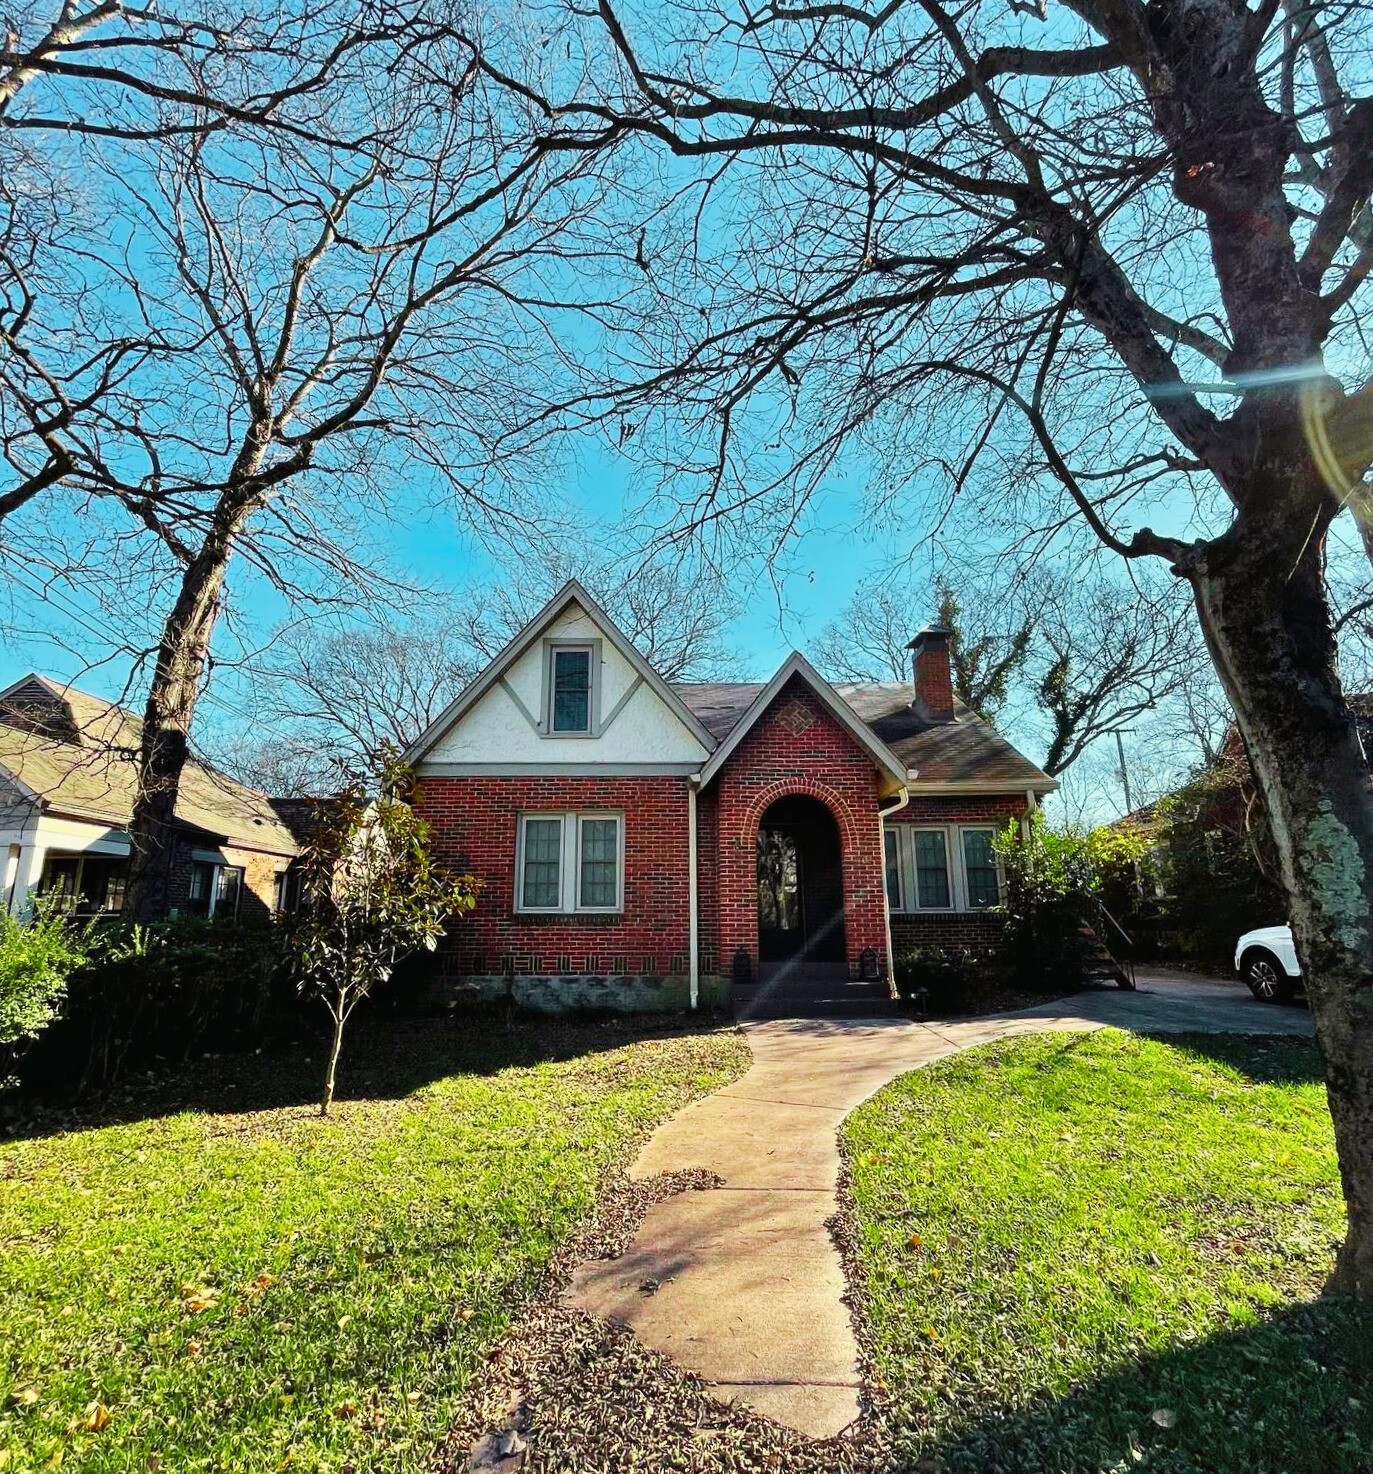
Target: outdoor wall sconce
column 867, row 966
column 741, row 970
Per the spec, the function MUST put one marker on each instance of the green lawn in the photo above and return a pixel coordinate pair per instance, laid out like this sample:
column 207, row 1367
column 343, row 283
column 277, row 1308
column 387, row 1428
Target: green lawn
column 1102, row 1252
column 230, row 1283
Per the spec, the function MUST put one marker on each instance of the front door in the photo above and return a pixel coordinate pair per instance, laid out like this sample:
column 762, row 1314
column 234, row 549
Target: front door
column 781, row 911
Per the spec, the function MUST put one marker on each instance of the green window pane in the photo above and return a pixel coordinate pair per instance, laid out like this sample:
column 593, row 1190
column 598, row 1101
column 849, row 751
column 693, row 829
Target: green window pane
column 571, row 690
column 893, row 870
column 931, row 870
column 543, row 843
column 600, row 862
column 979, row 860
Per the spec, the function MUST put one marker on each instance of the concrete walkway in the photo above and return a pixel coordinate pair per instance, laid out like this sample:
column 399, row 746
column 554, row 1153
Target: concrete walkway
column 743, row 1285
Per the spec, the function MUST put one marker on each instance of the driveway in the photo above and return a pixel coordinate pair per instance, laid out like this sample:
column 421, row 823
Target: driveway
column 743, row 1284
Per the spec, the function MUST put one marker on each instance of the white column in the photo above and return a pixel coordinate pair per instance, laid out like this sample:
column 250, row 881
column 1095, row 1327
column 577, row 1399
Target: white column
column 28, row 871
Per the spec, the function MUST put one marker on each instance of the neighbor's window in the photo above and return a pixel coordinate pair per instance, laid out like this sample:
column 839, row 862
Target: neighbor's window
column 979, row 863
column 570, row 693
column 200, row 897
column 570, row 862
column 228, row 890
column 214, row 889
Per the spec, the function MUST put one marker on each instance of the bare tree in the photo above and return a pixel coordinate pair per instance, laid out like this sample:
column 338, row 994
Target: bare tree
column 323, row 271
column 1110, row 274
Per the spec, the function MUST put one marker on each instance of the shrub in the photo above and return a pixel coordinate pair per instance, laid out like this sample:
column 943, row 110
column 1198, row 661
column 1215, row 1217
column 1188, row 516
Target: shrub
column 1053, row 883
column 944, row 979
column 157, row 994
column 37, row 957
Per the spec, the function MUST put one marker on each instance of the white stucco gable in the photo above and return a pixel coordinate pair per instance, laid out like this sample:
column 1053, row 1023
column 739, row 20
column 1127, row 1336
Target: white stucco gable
column 502, row 721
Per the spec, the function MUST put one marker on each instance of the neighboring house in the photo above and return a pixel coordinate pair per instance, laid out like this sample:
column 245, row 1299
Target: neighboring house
column 666, row 836
column 68, row 763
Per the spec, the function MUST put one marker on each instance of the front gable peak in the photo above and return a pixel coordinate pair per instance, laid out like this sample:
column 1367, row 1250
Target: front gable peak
column 796, row 716
column 571, row 673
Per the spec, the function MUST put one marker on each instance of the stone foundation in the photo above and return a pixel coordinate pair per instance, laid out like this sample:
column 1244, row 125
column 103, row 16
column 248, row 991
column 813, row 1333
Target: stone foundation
column 562, row 994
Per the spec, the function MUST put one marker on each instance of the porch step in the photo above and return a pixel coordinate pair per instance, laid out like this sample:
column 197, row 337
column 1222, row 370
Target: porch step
column 812, row 997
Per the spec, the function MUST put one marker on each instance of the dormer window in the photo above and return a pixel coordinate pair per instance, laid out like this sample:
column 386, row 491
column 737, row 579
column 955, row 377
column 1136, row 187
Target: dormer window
column 570, row 690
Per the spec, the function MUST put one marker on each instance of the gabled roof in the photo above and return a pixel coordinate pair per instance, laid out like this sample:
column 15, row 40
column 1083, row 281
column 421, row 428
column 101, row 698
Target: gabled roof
column 571, row 593
column 80, row 759
column 796, row 665
column 963, row 754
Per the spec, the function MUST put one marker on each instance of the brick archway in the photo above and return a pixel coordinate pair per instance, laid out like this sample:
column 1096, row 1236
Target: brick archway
column 803, row 787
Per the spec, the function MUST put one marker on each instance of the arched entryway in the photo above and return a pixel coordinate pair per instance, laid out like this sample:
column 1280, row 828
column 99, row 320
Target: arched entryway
column 800, row 883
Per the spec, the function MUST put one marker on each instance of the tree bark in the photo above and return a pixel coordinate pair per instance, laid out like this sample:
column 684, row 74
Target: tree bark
column 331, row 1073
column 182, row 656
column 1263, row 608
column 165, row 744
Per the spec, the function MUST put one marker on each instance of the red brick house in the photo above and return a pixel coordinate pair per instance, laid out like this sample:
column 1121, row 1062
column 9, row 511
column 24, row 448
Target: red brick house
column 643, row 843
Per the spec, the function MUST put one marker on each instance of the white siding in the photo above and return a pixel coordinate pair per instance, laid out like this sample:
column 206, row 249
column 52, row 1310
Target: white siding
column 495, row 730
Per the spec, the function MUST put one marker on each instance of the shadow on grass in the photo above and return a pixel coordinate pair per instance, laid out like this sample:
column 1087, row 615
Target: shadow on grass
column 385, row 1057
column 1272, row 1059
column 1293, row 1394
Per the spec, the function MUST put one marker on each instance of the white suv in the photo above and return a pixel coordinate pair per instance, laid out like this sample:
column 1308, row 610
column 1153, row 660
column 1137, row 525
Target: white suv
column 1267, row 960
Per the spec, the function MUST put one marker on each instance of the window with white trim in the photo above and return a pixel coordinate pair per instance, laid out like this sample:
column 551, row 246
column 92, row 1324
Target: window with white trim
column 571, row 862
column 941, row 868
column 570, row 669
column 980, row 873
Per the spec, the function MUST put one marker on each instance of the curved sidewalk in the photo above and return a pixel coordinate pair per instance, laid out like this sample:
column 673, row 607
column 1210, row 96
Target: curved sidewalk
column 743, row 1284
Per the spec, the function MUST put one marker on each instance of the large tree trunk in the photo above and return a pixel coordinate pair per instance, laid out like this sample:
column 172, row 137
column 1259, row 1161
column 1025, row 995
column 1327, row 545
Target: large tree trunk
column 165, row 745
column 1262, row 602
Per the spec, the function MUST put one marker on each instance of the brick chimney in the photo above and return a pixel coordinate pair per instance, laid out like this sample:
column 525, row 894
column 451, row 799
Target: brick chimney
column 933, row 682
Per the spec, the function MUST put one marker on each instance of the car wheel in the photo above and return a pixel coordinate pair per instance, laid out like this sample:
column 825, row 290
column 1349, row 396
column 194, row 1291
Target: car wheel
column 1266, row 978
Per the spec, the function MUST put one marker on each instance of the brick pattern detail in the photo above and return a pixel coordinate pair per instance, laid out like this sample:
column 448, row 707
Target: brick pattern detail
column 474, row 828
column 970, row 808
column 946, row 929
column 774, row 759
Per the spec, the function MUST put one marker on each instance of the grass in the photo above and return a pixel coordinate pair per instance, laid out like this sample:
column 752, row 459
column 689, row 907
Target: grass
column 230, row 1283
column 1104, row 1252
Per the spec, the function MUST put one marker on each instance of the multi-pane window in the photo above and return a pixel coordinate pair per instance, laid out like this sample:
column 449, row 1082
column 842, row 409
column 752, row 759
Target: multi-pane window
column 570, row 690
column 931, row 870
column 599, row 859
column 90, row 885
column 941, row 869
column 892, row 840
column 979, row 865
column 214, row 890
column 542, row 869
column 570, row 862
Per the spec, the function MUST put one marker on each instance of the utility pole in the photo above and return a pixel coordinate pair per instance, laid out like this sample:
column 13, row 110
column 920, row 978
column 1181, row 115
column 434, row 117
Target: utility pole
column 1124, row 772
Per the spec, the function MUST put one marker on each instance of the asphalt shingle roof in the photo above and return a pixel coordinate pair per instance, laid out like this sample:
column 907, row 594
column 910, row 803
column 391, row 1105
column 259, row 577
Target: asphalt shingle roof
column 965, row 750
column 92, row 776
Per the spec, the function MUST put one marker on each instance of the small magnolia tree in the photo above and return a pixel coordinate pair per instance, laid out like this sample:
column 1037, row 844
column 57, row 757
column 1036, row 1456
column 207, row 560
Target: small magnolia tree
column 374, row 894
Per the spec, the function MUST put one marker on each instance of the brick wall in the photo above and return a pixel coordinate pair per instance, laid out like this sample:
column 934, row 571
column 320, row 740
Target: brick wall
column 259, row 898
column 474, row 828
column 796, row 747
